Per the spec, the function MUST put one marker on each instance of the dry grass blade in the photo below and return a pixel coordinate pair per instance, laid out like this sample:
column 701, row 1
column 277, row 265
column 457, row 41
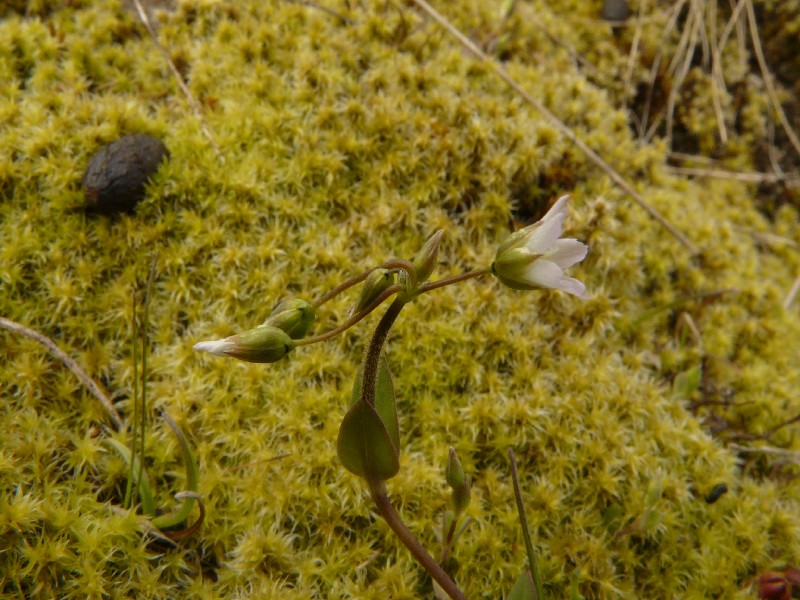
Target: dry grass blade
column 788, row 179
column 762, row 64
column 634, row 53
column 560, row 125
column 789, row 300
column 93, row 387
column 686, row 51
column 181, row 83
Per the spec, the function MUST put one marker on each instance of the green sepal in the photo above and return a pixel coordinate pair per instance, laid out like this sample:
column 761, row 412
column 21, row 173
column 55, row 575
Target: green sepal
column 294, row 317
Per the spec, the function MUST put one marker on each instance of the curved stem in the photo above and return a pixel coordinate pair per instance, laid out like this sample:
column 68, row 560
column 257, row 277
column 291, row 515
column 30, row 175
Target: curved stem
column 373, row 351
column 427, row 287
column 393, row 289
column 395, row 263
column 388, row 512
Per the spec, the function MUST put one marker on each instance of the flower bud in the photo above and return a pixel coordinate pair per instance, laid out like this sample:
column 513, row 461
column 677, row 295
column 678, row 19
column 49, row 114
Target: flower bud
column 375, row 284
column 295, row 317
column 264, row 344
column 458, row 481
column 425, row 260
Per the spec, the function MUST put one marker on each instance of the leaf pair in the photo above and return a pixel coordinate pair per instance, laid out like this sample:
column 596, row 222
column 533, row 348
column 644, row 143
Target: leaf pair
column 369, row 436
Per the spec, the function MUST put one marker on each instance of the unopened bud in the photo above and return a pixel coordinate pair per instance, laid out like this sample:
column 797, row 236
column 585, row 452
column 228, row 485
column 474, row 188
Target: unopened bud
column 458, row 481
column 295, row 317
column 375, row 284
column 425, row 260
column 264, row 344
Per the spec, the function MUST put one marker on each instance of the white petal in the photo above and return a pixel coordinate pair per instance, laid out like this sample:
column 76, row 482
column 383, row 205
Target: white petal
column 544, row 273
column 573, row 286
column 566, row 253
column 549, row 275
column 559, row 208
column 216, row 347
column 544, row 233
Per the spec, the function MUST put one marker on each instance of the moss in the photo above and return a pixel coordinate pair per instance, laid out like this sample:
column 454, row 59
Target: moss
column 344, row 144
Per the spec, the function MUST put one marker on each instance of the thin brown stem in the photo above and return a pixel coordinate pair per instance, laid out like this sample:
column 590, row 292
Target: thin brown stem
column 388, row 512
column 394, row 264
column 373, row 352
column 393, row 289
column 427, row 287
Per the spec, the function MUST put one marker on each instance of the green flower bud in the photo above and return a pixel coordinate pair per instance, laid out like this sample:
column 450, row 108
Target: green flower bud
column 295, row 317
column 375, row 284
column 264, row 344
column 458, row 481
column 425, row 260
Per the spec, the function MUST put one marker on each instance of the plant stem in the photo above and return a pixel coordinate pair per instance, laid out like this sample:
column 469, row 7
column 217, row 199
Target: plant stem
column 537, row 582
column 373, row 351
column 394, row 264
column 393, row 289
column 388, row 512
column 427, row 287
column 129, row 487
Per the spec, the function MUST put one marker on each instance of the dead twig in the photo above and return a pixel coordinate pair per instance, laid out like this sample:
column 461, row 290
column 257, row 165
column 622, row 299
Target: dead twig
column 560, row 125
column 73, row 366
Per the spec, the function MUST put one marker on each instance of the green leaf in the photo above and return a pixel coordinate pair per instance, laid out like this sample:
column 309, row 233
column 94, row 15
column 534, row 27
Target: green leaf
column 192, row 481
column 523, row 588
column 574, row 594
column 145, row 492
column 687, row 382
column 385, row 400
column 365, row 447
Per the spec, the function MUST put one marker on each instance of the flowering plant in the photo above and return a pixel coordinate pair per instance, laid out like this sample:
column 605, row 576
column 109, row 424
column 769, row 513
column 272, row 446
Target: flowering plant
column 368, row 444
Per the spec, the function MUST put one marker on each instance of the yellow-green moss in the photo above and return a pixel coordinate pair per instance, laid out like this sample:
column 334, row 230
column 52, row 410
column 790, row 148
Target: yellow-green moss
column 345, row 144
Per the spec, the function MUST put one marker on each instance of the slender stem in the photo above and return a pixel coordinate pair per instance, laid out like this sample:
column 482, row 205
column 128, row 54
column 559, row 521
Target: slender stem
column 388, row 512
column 373, row 351
column 395, row 263
column 393, row 289
column 427, row 287
column 537, row 582
column 135, row 337
column 447, row 541
column 145, row 326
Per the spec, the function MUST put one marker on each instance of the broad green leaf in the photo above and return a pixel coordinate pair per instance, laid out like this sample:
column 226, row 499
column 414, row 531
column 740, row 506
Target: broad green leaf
column 385, row 400
column 365, row 446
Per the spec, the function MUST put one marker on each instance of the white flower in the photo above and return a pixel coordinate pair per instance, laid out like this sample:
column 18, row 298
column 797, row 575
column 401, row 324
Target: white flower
column 535, row 257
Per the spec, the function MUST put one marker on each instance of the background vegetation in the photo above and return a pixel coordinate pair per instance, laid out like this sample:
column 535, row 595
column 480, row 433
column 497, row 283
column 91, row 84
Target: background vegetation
column 346, row 134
